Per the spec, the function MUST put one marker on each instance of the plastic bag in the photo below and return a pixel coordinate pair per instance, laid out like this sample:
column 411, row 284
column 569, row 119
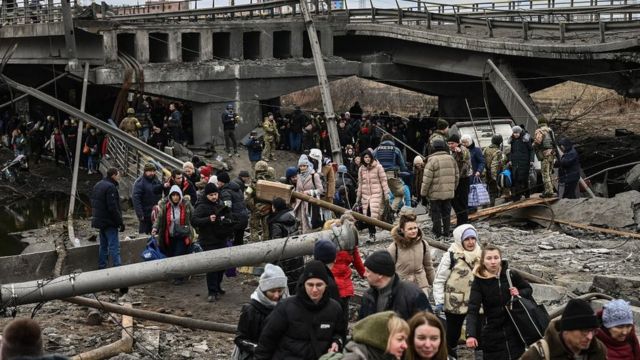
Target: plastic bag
column 478, row 194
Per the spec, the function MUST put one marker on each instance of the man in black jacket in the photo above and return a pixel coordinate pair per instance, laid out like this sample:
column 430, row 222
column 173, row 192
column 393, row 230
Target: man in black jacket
column 107, row 217
column 215, row 226
column 178, row 178
column 232, row 196
column 521, row 158
column 306, row 325
column 283, row 223
column 387, row 291
column 147, row 191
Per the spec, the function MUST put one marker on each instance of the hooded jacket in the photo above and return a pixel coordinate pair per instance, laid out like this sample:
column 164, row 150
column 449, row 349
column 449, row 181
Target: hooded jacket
column 299, row 329
column 452, row 285
column 412, row 258
column 569, row 164
column 370, row 336
column 491, row 292
column 213, row 234
column 282, row 224
column 165, row 217
column 372, row 187
column 559, row 351
column 233, row 197
column 186, row 187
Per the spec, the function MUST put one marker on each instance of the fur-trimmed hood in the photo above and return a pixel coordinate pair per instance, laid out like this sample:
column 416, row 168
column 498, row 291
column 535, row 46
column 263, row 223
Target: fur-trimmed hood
column 402, row 241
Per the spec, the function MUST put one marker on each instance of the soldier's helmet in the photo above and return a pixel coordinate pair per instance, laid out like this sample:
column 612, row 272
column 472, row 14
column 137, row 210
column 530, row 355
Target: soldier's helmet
column 130, row 111
column 261, row 166
column 496, row 139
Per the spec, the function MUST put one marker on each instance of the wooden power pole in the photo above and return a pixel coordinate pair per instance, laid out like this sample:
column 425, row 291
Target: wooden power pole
column 332, row 127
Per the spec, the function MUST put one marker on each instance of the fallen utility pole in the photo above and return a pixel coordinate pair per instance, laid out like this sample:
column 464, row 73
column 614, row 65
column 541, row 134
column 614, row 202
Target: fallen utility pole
column 371, row 221
column 180, row 266
column 323, row 83
column 153, row 316
column 76, row 161
column 587, row 227
column 124, row 345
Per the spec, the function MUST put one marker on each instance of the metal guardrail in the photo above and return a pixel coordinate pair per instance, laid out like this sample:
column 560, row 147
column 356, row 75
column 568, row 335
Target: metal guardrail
column 30, row 11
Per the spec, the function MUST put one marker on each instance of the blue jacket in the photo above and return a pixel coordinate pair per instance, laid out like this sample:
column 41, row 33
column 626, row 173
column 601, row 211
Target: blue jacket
column 146, row 194
column 105, row 205
column 407, row 196
column 389, row 156
column 477, row 159
column 255, row 150
column 569, row 164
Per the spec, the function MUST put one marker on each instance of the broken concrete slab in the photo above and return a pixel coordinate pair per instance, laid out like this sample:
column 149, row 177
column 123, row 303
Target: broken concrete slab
column 549, row 293
column 616, row 212
column 633, row 178
column 576, row 287
column 626, row 287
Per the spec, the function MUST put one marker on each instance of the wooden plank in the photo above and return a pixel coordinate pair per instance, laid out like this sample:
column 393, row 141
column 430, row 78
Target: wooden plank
column 492, row 211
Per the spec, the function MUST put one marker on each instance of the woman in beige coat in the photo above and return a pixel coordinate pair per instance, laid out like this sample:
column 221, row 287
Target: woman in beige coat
column 372, row 190
column 411, row 253
column 308, row 182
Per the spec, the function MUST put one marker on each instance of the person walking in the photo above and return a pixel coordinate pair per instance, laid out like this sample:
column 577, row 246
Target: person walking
column 461, row 199
column 521, row 159
column 304, row 326
column 571, row 336
column 411, row 254
column 439, row 183
column 382, row 336
column 309, row 183
column 298, row 121
column 229, row 119
column 427, row 340
column 272, row 288
column 107, row 217
column 147, row 191
column 232, row 195
column 492, row 155
column 568, row 169
column 490, row 291
column 271, row 138
column 617, row 332
column 215, row 226
column 174, row 123
column 452, row 284
column 373, row 189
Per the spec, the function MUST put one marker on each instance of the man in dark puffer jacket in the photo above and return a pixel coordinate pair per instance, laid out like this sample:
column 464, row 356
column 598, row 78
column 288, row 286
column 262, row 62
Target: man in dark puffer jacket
column 306, row 325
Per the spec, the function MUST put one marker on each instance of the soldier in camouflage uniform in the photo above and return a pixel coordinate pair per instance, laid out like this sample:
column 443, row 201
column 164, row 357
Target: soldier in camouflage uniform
column 130, row 124
column 259, row 209
column 490, row 153
column 441, row 133
column 271, row 137
column 543, row 143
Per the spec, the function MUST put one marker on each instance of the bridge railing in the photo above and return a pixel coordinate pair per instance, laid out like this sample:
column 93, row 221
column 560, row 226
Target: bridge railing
column 30, row 11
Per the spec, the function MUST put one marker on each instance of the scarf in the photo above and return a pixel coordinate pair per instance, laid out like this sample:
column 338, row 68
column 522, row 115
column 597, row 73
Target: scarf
column 169, row 221
column 260, row 297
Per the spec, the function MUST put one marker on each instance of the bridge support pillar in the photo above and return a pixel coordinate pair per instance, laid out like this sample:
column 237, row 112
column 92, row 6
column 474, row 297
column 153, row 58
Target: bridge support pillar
column 236, row 48
column 142, row 46
column 206, row 45
column 296, row 42
column 110, row 46
column 326, row 42
column 266, row 44
column 175, row 46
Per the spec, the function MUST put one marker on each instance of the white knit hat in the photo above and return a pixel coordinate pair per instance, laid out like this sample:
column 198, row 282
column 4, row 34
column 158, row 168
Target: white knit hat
column 272, row 278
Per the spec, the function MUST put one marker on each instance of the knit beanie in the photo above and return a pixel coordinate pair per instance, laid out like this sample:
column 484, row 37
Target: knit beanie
column 373, row 330
column 578, row 315
column 210, row 188
column 516, row 129
column 21, row 337
column 314, row 269
column 279, row 203
column 616, row 313
column 380, row 262
column 469, row 233
column 325, row 251
column 418, row 160
column 149, row 167
column 244, row 173
column 342, row 169
column 272, row 278
column 224, row 177
column 454, row 138
column 442, row 124
column 439, row 145
column 304, row 160
column 291, row 171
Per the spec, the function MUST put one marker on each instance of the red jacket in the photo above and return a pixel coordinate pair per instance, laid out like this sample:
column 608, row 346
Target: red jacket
column 619, row 350
column 342, row 271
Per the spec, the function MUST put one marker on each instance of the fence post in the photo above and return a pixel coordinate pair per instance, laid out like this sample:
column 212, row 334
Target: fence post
column 458, row 24
column 373, row 11
column 602, row 30
column 428, row 19
column 525, row 30
column 490, row 27
column 563, row 27
column 399, row 13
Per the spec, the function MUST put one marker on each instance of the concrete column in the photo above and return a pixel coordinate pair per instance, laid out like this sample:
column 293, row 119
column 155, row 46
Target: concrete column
column 326, row 42
column 110, row 46
column 204, row 120
column 296, row 42
column 266, row 44
column 236, row 49
column 251, row 114
column 206, row 45
column 175, row 46
column 142, row 46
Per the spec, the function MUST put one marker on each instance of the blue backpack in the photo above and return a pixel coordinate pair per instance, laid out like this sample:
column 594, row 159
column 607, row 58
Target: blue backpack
column 152, row 251
column 504, row 179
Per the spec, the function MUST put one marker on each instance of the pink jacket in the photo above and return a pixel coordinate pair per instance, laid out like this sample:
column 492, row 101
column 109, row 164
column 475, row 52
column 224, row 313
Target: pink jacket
column 372, row 186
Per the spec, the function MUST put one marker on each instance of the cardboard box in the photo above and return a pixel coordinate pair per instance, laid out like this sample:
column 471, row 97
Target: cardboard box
column 268, row 190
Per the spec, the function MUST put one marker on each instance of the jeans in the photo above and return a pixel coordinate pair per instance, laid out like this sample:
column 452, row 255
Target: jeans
column 295, row 141
column 92, row 162
column 214, row 278
column 441, row 216
column 109, row 247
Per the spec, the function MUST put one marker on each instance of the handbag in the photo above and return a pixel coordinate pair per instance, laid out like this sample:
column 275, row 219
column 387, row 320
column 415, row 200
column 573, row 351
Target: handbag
column 360, row 225
column 504, row 179
column 478, row 194
column 181, row 230
column 86, row 149
column 152, row 251
column 528, row 318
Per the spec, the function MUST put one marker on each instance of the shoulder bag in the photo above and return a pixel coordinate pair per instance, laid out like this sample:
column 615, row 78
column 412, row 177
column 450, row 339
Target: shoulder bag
column 528, row 318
